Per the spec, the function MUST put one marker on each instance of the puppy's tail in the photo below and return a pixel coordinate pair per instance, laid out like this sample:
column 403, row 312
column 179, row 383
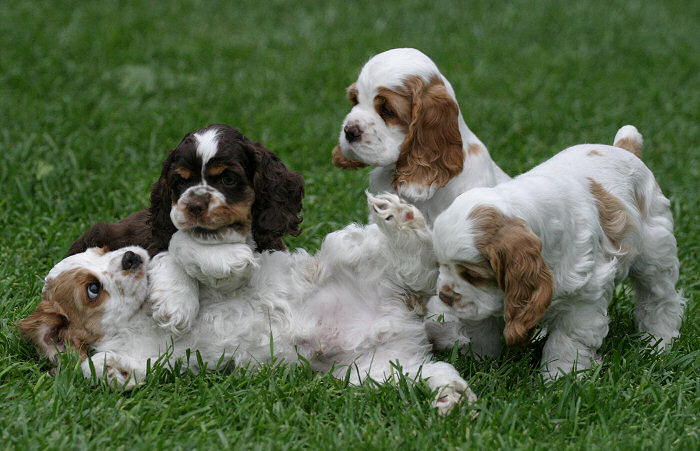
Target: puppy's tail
column 629, row 138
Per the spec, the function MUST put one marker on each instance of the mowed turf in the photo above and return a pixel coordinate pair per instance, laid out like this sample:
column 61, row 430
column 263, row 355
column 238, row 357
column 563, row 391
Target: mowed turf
column 92, row 95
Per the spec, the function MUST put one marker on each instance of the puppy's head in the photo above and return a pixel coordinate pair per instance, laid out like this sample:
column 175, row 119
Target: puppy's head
column 403, row 113
column 491, row 263
column 218, row 186
column 85, row 297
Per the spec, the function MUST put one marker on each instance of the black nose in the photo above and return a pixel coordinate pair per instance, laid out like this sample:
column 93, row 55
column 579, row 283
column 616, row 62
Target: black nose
column 352, row 133
column 131, row 260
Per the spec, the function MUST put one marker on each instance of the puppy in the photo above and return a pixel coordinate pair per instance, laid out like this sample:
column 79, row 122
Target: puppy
column 548, row 247
column 405, row 121
column 234, row 188
column 341, row 310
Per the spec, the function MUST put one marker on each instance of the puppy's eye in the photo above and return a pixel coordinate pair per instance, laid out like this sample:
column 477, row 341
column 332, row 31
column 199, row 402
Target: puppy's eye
column 93, row 290
column 386, row 112
column 228, row 180
column 353, row 100
column 471, row 277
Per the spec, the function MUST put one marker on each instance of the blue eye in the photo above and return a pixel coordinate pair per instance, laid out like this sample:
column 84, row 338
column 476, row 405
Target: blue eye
column 93, row 290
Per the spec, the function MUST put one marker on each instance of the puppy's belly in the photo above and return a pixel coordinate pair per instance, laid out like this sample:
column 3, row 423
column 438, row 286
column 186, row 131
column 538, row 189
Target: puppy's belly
column 340, row 323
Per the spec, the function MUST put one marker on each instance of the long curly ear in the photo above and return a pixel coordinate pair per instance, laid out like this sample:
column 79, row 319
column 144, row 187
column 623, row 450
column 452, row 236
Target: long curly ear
column 43, row 328
column 278, row 196
column 162, row 227
column 341, row 161
column 432, row 152
column 515, row 254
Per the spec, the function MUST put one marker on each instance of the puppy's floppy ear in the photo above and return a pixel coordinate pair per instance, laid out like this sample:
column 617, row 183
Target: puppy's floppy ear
column 515, row 254
column 43, row 328
column 278, row 196
column 432, row 152
column 162, row 227
column 340, row 161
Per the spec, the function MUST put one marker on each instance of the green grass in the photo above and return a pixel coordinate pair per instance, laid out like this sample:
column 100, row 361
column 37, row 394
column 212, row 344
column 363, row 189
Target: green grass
column 92, row 95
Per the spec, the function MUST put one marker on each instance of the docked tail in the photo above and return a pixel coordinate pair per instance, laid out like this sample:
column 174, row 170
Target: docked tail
column 629, row 138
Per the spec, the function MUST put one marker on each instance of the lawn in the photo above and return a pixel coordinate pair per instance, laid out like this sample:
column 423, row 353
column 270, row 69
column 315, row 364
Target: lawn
column 93, row 94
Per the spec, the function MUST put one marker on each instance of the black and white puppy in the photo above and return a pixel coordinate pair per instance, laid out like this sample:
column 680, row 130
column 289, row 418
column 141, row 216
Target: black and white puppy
column 217, row 186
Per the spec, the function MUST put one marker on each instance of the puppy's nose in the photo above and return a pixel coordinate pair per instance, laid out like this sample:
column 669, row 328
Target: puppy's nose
column 352, row 133
column 131, row 260
column 449, row 297
column 197, row 205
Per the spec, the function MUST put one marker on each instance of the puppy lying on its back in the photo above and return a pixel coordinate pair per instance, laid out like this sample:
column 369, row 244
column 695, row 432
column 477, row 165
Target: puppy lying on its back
column 341, row 310
column 548, row 248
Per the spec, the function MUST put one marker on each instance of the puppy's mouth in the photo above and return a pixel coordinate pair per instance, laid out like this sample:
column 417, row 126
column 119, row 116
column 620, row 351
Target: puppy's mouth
column 234, row 232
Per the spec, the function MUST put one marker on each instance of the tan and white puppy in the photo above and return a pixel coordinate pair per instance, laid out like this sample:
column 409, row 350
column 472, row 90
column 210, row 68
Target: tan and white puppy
column 342, row 310
column 406, row 122
column 548, row 247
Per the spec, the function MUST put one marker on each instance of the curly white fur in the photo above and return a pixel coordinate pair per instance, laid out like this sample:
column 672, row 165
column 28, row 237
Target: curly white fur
column 341, row 309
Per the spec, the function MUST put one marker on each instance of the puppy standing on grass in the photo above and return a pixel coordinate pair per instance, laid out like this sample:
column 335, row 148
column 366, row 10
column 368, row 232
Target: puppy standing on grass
column 548, row 248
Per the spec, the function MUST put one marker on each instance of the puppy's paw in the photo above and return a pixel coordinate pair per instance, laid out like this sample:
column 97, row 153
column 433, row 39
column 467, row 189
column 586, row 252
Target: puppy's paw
column 175, row 310
column 111, row 369
column 393, row 215
column 450, row 395
column 173, row 294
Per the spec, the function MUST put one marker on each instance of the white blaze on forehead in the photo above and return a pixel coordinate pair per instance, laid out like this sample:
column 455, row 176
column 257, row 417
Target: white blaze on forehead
column 207, row 144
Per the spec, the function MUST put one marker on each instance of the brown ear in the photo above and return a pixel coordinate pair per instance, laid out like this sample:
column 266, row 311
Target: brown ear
column 515, row 254
column 340, row 161
column 161, row 226
column 278, row 198
column 43, row 328
column 432, row 151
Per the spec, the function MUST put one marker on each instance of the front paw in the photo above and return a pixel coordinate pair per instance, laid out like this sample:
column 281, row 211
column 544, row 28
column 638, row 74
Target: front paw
column 174, row 295
column 109, row 368
column 450, row 395
column 175, row 312
column 393, row 215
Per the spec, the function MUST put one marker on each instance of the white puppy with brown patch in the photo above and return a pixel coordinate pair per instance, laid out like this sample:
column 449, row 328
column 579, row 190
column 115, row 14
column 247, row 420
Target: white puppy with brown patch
column 548, row 247
column 342, row 310
column 406, row 122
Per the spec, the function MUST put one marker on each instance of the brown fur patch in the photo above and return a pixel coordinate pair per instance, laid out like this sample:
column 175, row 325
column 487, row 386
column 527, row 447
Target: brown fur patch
column 183, row 172
column 341, row 162
column 614, row 218
column 238, row 216
column 65, row 315
column 352, row 94
column 432, row 151
column 475, row 149
column 393, row 107
column 594, row 152
column 515, row 255
column 630, row 145
column 215, row 170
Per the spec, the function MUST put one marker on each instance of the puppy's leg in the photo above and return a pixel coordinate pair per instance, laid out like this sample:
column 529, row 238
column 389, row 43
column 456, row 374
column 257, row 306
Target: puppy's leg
column 219, row 265
column 409, row 249
column 654, row 274
column 573, row 339
column 173, row 293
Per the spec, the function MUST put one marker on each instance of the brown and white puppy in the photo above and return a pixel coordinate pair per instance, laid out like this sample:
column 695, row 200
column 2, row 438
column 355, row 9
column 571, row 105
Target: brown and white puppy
column 217, row 186
column 405, row 121
column 548, row 247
